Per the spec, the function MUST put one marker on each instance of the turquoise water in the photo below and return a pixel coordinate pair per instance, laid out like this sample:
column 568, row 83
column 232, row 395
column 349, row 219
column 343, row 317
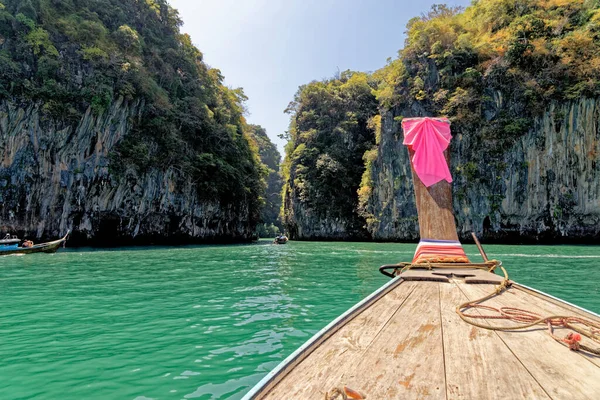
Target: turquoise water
column 206, row 322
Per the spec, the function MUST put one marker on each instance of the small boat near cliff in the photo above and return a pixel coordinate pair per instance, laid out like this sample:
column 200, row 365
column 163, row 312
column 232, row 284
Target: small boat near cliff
column 281, row 240
column 13, row 245
column 445, row 327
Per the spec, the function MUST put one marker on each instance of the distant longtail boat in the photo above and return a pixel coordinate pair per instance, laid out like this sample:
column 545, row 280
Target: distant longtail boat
column 445, row 327
column 12, row 245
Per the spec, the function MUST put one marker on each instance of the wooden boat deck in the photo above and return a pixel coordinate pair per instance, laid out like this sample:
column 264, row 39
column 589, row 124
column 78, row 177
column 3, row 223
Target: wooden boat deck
column 411, row 344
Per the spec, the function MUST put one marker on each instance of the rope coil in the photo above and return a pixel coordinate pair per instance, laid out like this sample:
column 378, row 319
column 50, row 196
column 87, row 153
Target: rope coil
column 527, row 319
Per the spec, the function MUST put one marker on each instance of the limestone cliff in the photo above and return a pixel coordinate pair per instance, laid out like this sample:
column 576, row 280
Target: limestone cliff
column 546, row 187
column 114, row 127
column 55, row 178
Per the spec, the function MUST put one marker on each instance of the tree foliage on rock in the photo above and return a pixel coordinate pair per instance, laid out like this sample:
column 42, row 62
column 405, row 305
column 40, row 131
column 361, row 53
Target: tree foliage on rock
column 329, row 133
column 530, row 52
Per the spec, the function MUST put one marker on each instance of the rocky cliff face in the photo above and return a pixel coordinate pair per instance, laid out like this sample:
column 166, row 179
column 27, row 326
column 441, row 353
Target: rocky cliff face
column 55, row 178
column 310, row 224
column 545, row 187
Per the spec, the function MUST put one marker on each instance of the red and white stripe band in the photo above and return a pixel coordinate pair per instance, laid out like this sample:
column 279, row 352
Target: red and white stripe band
column 430, row 250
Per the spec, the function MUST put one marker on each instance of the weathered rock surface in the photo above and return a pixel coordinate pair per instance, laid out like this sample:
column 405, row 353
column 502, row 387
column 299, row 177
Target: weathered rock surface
column 56, row 178
column 546, row 188
column 309, row 224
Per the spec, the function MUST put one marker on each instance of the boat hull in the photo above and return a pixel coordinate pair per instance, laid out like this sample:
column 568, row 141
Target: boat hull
column 49, row 247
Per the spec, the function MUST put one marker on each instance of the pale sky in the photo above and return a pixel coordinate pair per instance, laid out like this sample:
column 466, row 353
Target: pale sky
column 270, row 47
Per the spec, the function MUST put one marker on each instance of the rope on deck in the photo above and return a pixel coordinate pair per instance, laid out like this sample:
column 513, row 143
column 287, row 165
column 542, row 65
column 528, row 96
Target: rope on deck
column 527, row 319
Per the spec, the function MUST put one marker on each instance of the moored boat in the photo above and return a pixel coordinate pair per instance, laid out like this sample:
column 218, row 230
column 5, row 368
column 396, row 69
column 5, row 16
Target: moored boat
column 444, row 326
column 13, row 245
column 281, row 240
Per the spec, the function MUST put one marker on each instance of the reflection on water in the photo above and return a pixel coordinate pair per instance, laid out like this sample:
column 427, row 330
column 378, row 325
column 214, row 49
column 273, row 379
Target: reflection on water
column 205, row 322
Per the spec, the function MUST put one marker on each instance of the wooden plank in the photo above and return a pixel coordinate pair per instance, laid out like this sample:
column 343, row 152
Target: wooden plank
column 562, row 373
column 479, row 365
column 423, row 275
column 484, row 277
column 444, row 274
column 326, row 365
column 406, row 359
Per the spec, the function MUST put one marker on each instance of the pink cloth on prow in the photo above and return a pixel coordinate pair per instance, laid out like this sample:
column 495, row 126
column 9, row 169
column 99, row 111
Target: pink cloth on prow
column 429, row 138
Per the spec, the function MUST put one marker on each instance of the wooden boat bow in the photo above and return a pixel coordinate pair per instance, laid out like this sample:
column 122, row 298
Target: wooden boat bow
column 444, row 328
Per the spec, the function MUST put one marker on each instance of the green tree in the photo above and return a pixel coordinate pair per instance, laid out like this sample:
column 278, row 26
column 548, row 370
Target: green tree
column 128, row 39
